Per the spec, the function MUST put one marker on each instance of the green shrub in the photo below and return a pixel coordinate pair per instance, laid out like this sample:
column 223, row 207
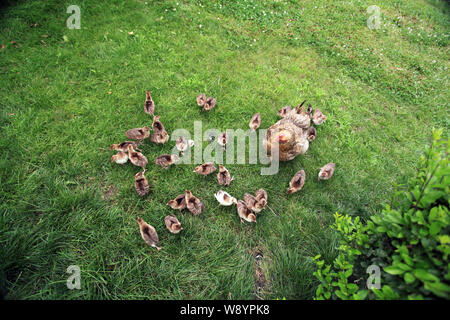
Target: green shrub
column 409, row 240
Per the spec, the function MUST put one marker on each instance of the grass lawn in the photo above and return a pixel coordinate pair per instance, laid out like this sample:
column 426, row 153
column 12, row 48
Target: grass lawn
column 68, row 94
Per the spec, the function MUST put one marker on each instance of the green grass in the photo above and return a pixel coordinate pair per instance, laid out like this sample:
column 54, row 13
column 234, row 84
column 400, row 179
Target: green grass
column 63, row 203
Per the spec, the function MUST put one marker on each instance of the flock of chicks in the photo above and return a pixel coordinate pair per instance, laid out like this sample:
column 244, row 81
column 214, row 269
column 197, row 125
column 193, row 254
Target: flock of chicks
column 247, row 208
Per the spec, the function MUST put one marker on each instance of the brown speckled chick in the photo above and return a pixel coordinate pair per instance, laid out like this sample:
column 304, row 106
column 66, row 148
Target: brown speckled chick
column 138, row 133
column 327, row 171
column 262, row 197
column 297, row 182
column 149, row 106
column 148, row 233
column 141, row 184
column 166, row 160
column 318, row 117
column 223, row 177
column 205, row 169
column 179, row 203
column 201, row 100
column 222, row 139
column 209, row 104
column 311, row 133
column 182, row 144
column 160, row 134
column 137, row 158
column 244, row 212
column 120, row 158
column 193, row 203
column 172, row 224
column 255, row 122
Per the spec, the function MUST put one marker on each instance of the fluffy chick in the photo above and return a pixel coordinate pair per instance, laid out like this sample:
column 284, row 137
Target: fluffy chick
column 318, row 117
column 297, row 182
column 138, row 133
column 222, row 139
column 201, row 100
column 137, row 158
column 244, row 212
column 179, row 203
column 148, row 233
column 172, row 224
column 141, row 184
column 149, row 106
column 209, row 104
column 160, row 134
column 120, row 158
column 224, row 198
column 205, row 169
column 255, row 122
column 159, row 137
column 166, row 160
column 193, row 203
column 157, row 125
column 255, row 204
column 223, row 177
column 262, row 197
column 182, row 144
column 311, row 133
column 326, row 172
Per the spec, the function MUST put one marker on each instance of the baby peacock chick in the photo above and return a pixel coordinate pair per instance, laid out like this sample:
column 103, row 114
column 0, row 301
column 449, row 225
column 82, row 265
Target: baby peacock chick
column 157, row 125
column 205, row 169
column 148, row 233
column 160, row 137
column 255, row 204
column 222, row 139
column 179, row 203
column 326, row 172
column 160, row 134
column 137, row 158
column 138, row 133
column 255, row 122
column 201, row 100
column 244, row 212
column 283, row 112
column 318, row 117
column 124, row 146
column 311, row 134
column 120, row 158
column 297, row 182
column 209, row 104
column 224, row 198
column 172, row 224
column 250, row 201
column 193, row 203
column 166, row 160
column 223, row 177
column 149, row 106
column 261, row 196
column 141, row 184
column 182, row 144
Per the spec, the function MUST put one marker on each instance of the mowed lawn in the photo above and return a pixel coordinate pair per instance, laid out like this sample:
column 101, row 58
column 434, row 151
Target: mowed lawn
column 67, row 95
